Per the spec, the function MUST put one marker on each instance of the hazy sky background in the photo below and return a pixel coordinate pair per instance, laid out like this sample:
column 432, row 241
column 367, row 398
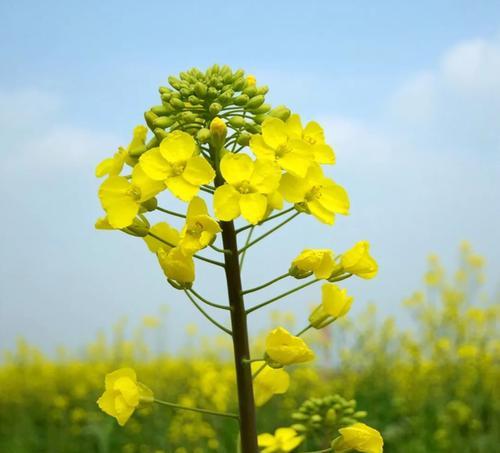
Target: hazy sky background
column 409, row 93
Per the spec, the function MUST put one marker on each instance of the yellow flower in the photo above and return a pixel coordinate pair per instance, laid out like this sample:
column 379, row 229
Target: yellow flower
column 248, row 183
column 113, row 166
column 200, row 229
column 251, row 80
column 283, row 348
column 318, row 261
column 315, row 193
column 313, row 134
column 283, row 441
column 358, row 261
column 177, row 163
column 335, row 303
column 268, row 382
column 359, row 437
column 123, row 394
column 121, row 198
column 177, row 264
column 282, row 142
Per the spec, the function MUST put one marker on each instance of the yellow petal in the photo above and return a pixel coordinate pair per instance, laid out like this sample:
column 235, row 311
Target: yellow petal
column 236, row 168
column 226, row 202
column 181, row 188
column 295, row 164
column 154, row 165
column 320, row 212
column 178, row 146
column 123, row 410
column 197, row 206
column 104, row 167
column 266, row 176
column 198, row 171
column 323, row 154
column 294, row 126
column 177, row 265
column 274, row 132
column 292, row 188
column 111, row 378
column 164, row 231
column 334, row 198
column 313, row 133
column 107, row 403
column 265, row 440
column 128, row 389
column 149, row 187
column 253, row 207
column 260, row 149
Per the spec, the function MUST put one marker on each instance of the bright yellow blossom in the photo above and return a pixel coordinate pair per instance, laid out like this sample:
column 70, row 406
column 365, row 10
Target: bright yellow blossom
column 177, row 264
column 200, row 229
column 358, row 261
column 335, row 303
column 315, row 193
column 268, row 382
column 177, row 163
column 282, row 141
column 318, row 261
column 169, row 237
column 248, row 183
column 359, row 437
column 123, row 394
column 283, row 348
column 121, row 198
column 113, row 166
column 283, row 441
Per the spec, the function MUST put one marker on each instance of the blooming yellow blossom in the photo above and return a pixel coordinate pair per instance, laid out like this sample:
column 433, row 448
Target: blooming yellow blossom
column 313, row 134
column 123, row 394
column 315, row 193
column 283, row 441
column 121, row 198
column 358, row 261
column 200, row 229
column 268, row 382
column 248, row 183
column 335, row 303
column 283, row 348
column 177, row 264
column 318, row 261
column 113, row 166
column 282, row 142
column 177, row 163
column 359, row 437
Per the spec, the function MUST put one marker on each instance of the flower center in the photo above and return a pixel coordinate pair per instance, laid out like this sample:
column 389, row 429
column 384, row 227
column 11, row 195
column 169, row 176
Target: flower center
column 134, row 192
column 195, row 229
column 245, row 187
column 310, row 140
column 178, row 168
column 314, row 193
column 282, row 150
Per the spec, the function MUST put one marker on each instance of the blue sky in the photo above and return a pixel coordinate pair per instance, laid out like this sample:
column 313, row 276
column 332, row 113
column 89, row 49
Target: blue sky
column 408, row 92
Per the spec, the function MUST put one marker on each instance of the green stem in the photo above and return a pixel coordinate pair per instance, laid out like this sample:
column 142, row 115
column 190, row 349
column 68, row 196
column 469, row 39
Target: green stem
column 274, row 299
column 166, row 211
column 267, row 233
column 267, row 219
column 265, row 285
column 217, row 249
column 242, row 257
column 304, row 330
column 207, row 190
column 197, row 409
column 204, row 313
column 327, row 450
column 202, row 258
column 212, row 304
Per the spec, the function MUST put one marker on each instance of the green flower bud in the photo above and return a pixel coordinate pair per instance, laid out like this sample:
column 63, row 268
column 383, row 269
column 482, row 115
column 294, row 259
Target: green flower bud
column 263, row 89
column 164, row 90
column 331, row 416
column 212, row 93
column 175, row 82
column 347, row 421
column 176, row 103
column 239, row 84
column 264, row 108
column 242, row 99
column 237, row 121
column 136, row 152
column 185, row 92
column 360, row 414
column 187, row 117
column 160, row 133
column 150, row 117
column 162, row 110
column 194, row 100
column 255, row 102
column 299, row 416
column 226, row 97
column 153, row 143
column 200, row 89
column 150, row 205
column 282, row 112
column 163, row 122
column 259, row 119
column 214, row 108
column 166, row 97
column 244, row 139
column 253, row 128
column 250, row 90
column 299, row 428
column 203, row 135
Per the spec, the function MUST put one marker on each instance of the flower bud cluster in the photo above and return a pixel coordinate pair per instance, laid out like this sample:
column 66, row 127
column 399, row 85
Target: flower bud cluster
column 316, row 416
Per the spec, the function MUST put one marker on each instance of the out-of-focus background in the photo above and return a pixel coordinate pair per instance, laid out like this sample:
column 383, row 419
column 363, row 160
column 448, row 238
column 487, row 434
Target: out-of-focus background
column 409, row 95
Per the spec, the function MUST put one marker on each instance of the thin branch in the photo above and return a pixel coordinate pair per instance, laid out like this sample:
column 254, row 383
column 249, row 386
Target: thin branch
column 166, row 211
column 204, row 313
column 265, row 285
column 304, row 330
column 197, row 409
column 267, row 219
column 267, row 233
column 202, row 258
column 242, row 257
column 212, row 304
column 274, row 299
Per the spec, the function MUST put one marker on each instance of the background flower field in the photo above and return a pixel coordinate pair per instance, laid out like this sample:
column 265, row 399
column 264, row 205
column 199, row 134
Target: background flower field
column 432, row 386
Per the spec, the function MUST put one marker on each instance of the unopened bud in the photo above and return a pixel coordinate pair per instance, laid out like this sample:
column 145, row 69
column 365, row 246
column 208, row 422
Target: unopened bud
column 218, row 132
column 251, row 91
column 163, row 122
column 244, row 139
column 237, row 121
column 282, row 112
column 203, row 135
column 255, row 102
column 176, row 103
column 251, row 80
column 150, row 205
column 150, row 117
column 215, row 108
column 200, row 89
